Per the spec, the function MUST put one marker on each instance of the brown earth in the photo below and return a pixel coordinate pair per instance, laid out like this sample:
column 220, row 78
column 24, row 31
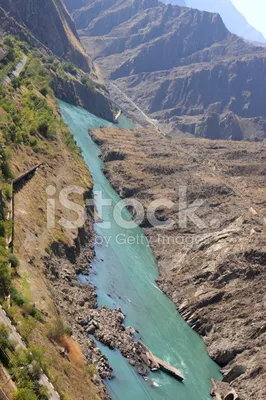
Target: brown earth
column 215, row 274
column 7, row 386
column 50, row 260
column 62, row 166
column 77, row 303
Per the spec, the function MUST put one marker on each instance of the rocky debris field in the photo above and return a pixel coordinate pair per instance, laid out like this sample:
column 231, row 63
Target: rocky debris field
column 73, row 300
column 214, row 274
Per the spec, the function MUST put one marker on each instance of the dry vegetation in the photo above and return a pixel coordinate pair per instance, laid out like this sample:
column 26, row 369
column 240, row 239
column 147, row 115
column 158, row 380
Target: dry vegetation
column 69, row 373
column 32, row 240
column 32, row 132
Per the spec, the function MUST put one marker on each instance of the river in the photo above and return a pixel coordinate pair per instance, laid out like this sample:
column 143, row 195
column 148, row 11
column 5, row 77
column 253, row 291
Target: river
column 125, row 273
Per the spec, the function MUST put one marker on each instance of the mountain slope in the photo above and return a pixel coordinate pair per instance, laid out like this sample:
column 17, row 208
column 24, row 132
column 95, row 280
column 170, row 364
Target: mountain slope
column 32, row 133
column 233, row 19
column 180, row 65
column 51, row 24
column 69, row 84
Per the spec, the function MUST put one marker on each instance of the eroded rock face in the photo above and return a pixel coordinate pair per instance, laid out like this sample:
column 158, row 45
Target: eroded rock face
column 50, row 22
column 96, row 99
column 73, row 92
column 215, row 275
column 177, row 62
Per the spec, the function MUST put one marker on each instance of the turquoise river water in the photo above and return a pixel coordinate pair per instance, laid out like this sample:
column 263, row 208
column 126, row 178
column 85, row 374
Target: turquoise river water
column 125, row 276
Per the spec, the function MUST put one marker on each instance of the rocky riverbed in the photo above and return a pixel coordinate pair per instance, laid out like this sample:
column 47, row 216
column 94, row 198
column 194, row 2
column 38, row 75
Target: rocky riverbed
column 77, row 303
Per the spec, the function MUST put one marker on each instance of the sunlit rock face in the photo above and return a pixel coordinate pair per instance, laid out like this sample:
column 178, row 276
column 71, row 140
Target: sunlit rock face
column 50, row 22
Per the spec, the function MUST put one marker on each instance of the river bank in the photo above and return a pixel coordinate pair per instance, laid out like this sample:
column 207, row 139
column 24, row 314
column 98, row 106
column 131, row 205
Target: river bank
column 215, row 275
column 125, row 279
column 76, row 300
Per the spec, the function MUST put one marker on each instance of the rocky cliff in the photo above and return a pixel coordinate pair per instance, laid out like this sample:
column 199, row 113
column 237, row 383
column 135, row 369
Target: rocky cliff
column 74, row 92
column 180, row 65
column 50, row 22
column 66, row 86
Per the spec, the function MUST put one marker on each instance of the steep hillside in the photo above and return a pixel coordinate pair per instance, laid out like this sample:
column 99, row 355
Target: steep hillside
column 233, row 19
column 52, row 25
column 180, row 65
column 69, row 83
column 33, row 134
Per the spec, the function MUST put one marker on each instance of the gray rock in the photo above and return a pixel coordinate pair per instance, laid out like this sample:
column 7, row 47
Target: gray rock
column 91, row 329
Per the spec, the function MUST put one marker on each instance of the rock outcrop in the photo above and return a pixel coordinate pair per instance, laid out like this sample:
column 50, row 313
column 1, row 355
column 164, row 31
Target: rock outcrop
column 94, row 98
column 74, row 92
column 174, row 62
column 50, row 22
